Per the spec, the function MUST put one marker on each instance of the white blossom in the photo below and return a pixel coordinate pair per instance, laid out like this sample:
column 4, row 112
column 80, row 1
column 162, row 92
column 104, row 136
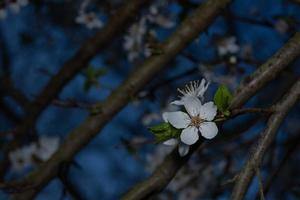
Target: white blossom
column 281, row 26
column 228, row 46
column 155, row 17
column 3, row 13
column 194, row 89
column 134, row 39
column 90, row 20
column 15, row 5
column 46, row 146
column 21, row 158
column 197, row 119
column 228, row 79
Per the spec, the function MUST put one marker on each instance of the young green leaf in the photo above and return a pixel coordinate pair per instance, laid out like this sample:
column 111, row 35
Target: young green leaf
column 164, row 131
column 222, row 99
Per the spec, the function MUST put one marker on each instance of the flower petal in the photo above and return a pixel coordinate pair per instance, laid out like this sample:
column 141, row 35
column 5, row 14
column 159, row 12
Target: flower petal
column 171, row 142
column 189, row 135
column 192, row 105
column 177, row 103
column 208, row 111
column 208, row 129
column 177, row 119
column 183, row 149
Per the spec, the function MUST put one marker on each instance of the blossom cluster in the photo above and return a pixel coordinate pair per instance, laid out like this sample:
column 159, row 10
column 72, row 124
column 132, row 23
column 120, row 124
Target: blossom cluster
column 134, row 41
column 33, row 153
column 89, row 19
column 13, row 5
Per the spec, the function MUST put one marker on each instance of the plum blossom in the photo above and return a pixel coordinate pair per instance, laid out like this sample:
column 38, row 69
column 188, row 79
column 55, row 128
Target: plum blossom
column 28, row 155
column 281, row 26
column 46, row 146
column 2, row 10
column 228, row 46
column 22, row 158
column 134, row 40
column 15, row 5
column 90, row 20
column 197, row 119
column 194, row 89
column 155, row 17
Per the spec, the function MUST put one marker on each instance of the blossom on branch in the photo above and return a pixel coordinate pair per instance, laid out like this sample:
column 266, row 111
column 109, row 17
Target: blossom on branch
column 197, row 119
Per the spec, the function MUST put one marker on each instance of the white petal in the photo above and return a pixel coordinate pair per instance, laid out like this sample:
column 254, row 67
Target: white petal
column 177, row 119
column 165, row 117
column 192, row 105
column 208, row 129
column 189, row 135
column 183, row 149
column 171, row 142
column 177, row 103
column 208, row 111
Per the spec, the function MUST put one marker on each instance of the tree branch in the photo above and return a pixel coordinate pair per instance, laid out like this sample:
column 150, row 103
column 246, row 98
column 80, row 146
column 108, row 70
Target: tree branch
column 268, row 71
column 267, row 136
column 166, row 171
column 79, row 137
column 80, row 60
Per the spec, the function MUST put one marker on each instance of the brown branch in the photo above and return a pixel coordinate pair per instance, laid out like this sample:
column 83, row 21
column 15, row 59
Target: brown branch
column 274, row 174
column 80, row 60
column 241, row 111
column 268, row 71
column 166, row 171
column 79, row 137
column 9, row 89
column 267, row 136
column 71, row 103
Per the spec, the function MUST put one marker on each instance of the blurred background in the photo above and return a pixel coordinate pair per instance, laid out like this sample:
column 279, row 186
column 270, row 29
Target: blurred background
column 37, row 37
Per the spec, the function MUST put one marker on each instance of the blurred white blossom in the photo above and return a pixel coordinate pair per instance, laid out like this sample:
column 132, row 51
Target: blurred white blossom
column 154, row 16
column 227, row 46
column 22, row 158
column 281, row 26
column 90, row 20
column 15, row 5
column 3, row 13
column 46, row 146
column 135, row 43
column 229, row 80
column 134, row 39
column 27, row 156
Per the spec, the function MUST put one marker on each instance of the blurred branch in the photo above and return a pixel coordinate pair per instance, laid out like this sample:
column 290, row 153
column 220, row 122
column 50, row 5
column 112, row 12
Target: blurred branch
column 190, row 29
column 268, row 71
column 81, row 59
column 268, row 135
column 8, row 88
column 295, row 142
column 173, row 162
column 71, row 103
column 241, row 111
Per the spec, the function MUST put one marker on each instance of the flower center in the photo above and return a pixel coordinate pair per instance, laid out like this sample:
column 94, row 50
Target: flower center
column 196, row 121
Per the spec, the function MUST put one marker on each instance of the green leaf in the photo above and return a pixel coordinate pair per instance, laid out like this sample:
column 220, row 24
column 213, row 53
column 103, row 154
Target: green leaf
column 222, row 99
column 164, row 131
column 92, row 74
